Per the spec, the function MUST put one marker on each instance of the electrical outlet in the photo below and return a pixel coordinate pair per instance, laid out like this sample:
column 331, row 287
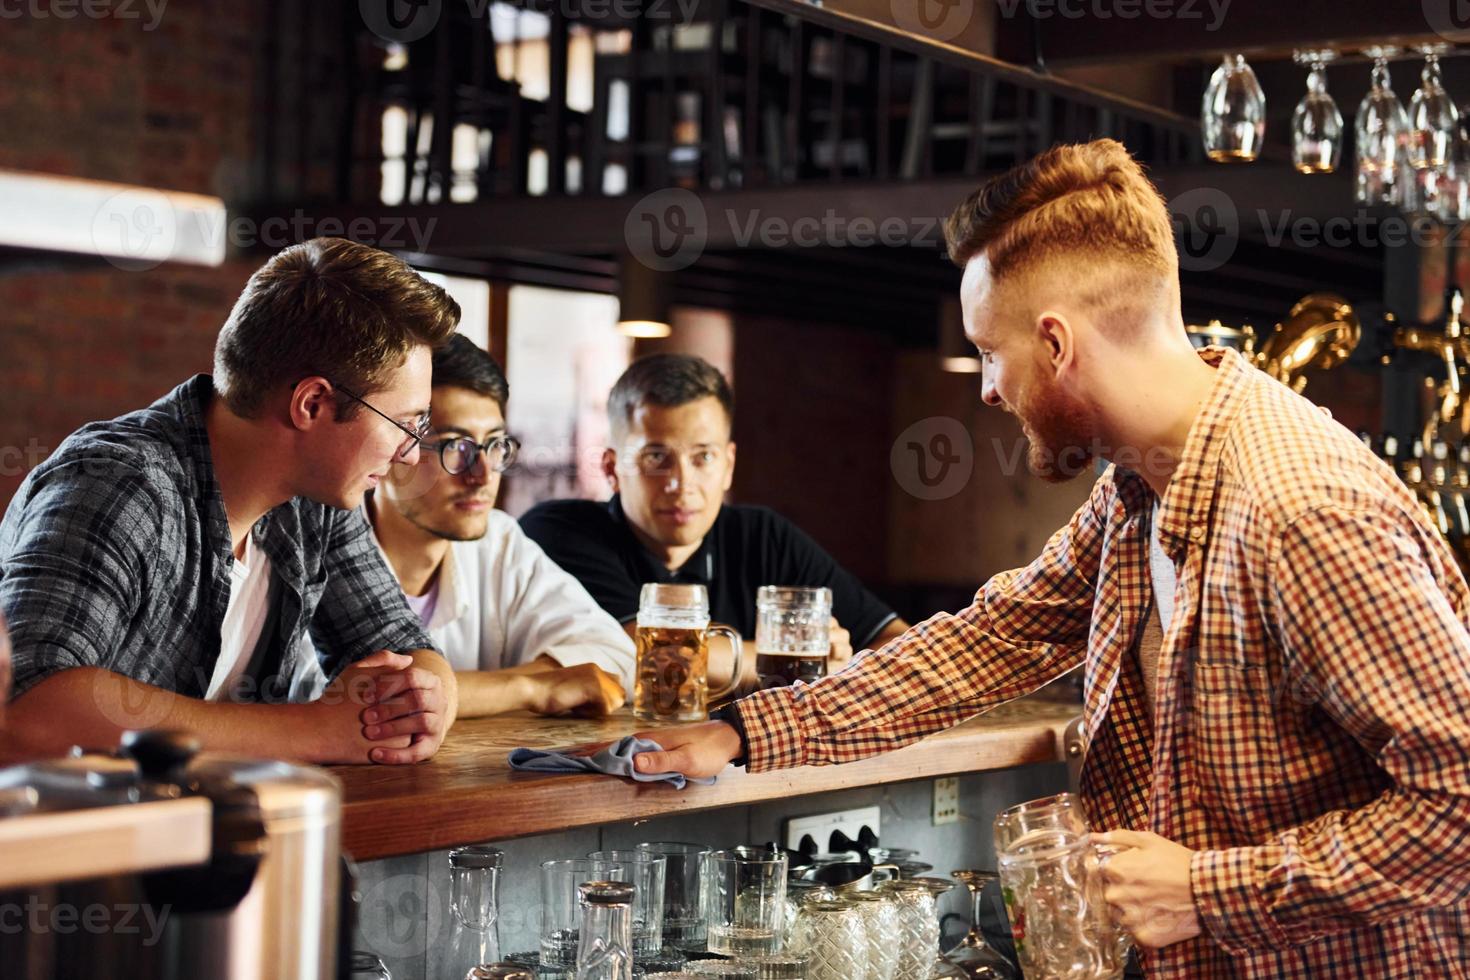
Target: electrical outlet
column 819, row 827
column 946, row 800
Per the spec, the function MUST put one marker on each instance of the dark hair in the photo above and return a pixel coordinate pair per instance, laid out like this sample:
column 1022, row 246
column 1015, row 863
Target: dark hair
column 666, row 380
column 327, row 307
column 462, row 363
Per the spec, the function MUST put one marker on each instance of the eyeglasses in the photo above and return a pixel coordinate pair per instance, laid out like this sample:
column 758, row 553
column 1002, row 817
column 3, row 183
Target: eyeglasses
column 459, row 455
column 415, row 435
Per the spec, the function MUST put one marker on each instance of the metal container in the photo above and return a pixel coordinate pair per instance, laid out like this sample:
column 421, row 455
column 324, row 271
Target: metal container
column 184, row 865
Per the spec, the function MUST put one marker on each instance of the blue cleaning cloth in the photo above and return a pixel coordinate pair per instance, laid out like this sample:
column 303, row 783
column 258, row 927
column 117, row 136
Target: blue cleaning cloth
column 614, row 760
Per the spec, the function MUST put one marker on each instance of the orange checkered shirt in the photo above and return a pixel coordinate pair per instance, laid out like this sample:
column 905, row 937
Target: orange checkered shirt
column 1311, row 735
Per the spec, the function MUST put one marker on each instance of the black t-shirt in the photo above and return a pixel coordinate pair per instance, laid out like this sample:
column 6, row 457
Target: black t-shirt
column 748, row 547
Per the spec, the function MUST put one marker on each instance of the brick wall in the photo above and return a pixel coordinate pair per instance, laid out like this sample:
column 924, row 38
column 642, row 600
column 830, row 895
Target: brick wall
column 106, row 98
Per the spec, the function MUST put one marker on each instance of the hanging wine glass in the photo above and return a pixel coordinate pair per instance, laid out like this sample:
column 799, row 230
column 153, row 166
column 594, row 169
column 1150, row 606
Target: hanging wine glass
column 1233, row 113
column 1316, row 126
column 1382, row 130
column 1433, row 123
column 1457, row 201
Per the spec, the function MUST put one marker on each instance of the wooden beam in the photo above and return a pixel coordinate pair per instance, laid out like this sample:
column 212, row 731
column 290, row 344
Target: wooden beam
column 971, row 60
column 740, row 218
column 1203, row 30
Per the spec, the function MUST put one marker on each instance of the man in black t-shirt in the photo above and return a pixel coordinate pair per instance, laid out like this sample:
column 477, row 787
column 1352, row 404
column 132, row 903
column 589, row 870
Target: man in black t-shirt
column 667, row 521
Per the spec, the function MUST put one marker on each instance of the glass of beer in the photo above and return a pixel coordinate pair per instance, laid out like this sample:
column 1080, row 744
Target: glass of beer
column 672, row 682
column 793, row 634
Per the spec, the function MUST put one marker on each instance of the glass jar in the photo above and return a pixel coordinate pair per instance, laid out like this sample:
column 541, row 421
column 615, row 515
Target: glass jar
column 831, row 934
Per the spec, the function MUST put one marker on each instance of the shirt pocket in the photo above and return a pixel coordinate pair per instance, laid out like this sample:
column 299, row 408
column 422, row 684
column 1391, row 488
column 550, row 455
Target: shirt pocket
column 1236, row 742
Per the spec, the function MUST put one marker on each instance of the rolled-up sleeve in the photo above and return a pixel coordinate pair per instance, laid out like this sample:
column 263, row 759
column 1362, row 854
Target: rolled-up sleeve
column 1026, row 626
column 546, row 612
column 362, row 609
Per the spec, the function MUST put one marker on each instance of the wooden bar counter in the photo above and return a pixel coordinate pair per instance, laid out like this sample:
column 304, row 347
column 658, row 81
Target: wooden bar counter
column 468, row 794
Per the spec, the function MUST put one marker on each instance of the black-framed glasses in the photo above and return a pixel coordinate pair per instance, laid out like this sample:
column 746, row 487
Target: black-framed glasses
column 459, row 454
column 416, row 435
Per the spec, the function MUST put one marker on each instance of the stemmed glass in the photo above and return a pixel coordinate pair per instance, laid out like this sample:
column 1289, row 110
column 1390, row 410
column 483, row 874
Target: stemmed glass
column 1316, row 125
column 1382, row 128
column 974, row 958
column 1233, row 113
column 1433, row 123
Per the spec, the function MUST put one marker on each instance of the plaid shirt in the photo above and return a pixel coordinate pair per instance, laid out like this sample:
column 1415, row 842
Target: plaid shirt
column 1311, row 736
column 115, row 552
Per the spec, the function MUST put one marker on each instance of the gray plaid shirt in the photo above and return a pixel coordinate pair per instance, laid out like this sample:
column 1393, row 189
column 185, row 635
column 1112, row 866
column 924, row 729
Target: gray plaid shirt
column 115, row 552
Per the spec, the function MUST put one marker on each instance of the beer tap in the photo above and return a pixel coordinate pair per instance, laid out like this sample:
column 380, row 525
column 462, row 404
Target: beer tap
column 1451, row 346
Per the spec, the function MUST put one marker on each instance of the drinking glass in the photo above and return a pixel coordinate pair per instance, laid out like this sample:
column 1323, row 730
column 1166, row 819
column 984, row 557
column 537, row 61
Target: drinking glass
column 672, row 680
column 683, row 920
column 605, row 952
column 744, row 900
column 561, row 909
column 1457, row 200
column 1233, row 113
column 1316, row 125
column 1382, row 130
column 880, row 927
column 793, row 634
column 474, row 907
column 646, row 871
column 917, row 939
column 830, row 932
column 1433, row 125
column 974, row 958
column 1054, row 893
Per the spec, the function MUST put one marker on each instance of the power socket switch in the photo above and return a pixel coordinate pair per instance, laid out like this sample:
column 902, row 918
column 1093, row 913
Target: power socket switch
column 946, row 800
column 818, row 828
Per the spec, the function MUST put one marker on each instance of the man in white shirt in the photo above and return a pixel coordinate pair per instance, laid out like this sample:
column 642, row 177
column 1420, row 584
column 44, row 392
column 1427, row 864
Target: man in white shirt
column 520, row 633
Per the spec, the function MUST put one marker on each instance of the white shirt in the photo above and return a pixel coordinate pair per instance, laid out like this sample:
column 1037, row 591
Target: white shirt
column 245, row 617
column 1161, row 568
column 502, row 602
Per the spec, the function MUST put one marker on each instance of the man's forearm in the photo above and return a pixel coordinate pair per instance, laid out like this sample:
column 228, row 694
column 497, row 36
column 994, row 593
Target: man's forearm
column 493, row 692
column 92, row 707
column 891, row 630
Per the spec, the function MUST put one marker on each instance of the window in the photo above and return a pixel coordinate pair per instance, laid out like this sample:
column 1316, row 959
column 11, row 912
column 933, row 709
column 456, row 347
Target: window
column 564, row 353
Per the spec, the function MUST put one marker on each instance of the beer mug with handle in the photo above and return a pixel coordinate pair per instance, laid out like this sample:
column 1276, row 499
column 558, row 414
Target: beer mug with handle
column 672, row 680
column 1053, row 890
